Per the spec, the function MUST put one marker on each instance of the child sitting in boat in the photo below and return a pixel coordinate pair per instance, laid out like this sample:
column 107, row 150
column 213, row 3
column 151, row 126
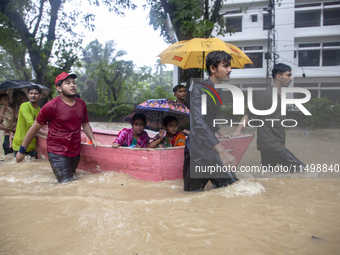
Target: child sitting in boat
column 172, row 137
column 133, row 137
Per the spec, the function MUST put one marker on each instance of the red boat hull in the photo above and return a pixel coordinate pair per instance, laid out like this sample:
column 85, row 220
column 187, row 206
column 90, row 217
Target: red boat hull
column 145, row 164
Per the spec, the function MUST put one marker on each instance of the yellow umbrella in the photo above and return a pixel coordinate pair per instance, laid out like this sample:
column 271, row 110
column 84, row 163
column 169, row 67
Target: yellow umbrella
column 191, row 53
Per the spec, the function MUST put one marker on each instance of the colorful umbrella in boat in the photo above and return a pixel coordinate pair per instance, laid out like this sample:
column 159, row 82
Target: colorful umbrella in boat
column 156, row 109
column 192, row 53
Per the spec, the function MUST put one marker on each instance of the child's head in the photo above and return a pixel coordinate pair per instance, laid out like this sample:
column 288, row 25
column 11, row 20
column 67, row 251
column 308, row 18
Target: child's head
column 19, row 97
column 170, row 124
column 4, row 99
column 138, row 123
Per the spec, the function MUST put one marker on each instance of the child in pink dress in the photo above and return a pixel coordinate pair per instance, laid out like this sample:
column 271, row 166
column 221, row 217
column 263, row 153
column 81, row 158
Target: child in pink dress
column 135, row 136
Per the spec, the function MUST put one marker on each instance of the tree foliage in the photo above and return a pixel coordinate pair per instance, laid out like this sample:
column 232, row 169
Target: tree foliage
column 325, row 113
column 116, row 80
column 190, row 18
column 39, row 26
column 106, row 77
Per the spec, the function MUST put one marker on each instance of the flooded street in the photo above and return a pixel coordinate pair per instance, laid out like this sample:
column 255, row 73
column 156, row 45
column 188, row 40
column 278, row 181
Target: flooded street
column 114, row 213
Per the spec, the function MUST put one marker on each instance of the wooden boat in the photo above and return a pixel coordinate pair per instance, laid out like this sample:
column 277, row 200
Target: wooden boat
column 145, row 164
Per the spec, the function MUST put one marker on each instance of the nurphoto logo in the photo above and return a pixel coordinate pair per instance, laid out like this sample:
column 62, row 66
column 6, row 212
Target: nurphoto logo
column 238, row 103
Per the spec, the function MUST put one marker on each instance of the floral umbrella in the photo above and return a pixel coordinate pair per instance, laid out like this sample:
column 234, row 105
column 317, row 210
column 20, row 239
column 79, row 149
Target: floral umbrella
column 156, row 109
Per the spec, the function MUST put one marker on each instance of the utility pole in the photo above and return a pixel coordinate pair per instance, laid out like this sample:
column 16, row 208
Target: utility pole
column 270, row 55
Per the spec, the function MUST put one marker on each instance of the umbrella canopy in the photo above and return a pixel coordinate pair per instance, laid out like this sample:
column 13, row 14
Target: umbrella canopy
column 156, row 109
column 9, row 86
column 191, row 53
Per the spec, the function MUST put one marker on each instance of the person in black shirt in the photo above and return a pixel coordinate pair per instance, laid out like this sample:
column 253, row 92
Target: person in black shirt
column 203, row 148
column 271, row 136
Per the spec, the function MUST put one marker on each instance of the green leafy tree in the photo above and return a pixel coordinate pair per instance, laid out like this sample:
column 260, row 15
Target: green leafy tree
column 40, row 23
column 144, row 73
column 12, row 55
column 190, row 18
column 98, row 61
column 114, row 80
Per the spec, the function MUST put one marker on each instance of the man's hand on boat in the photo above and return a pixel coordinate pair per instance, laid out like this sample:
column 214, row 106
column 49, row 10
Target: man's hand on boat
column 236, row 133
column 95, row 143
column 222, row 135
column 226, row 158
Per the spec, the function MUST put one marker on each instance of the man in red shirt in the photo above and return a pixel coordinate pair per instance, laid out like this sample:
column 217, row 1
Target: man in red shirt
column 65, row 115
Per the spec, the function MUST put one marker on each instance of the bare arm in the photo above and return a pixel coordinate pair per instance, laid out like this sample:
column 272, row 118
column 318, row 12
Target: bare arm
column 156, row 142
column 2, row 113
column 186, row 132
column 89, row 133
column 2, row 127
column 238, row 130
column 42, row 132
column 32, row 132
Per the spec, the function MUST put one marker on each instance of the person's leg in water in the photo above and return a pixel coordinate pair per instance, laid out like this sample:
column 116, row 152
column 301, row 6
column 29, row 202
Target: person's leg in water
column 11, row 136
column 33, row 154
column 5, row 145
column 191, row 184
column 268, row 160
column 63, row 167
column 226, row 179
column 284, row 157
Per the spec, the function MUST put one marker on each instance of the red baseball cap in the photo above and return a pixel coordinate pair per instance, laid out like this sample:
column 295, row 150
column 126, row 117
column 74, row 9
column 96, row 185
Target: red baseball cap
column 63, row 76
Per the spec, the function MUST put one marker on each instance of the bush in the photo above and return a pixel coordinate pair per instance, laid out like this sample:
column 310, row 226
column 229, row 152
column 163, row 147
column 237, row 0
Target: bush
column 107, row 112
column 322, row 112
column 335, row 120
column 121, row 110
column 98, row 109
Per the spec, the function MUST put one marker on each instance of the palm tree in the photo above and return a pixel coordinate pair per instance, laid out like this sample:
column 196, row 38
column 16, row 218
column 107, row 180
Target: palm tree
column 96, row 54
column 159, row 67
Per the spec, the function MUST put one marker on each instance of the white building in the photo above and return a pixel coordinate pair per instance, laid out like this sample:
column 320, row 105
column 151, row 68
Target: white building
column 307, row 37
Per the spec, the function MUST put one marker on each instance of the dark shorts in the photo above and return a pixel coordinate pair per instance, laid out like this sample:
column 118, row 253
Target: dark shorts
column 5, row 145
column 30, row 153
column 63, row 167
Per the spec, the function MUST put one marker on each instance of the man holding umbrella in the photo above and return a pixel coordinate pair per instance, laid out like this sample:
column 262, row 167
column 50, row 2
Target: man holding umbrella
column 205, row 149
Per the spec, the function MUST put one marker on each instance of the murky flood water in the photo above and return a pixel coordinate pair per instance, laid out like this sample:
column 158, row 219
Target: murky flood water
column 113, row 213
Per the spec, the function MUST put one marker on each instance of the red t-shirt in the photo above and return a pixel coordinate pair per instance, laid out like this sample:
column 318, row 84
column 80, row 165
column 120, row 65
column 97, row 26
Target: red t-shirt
column 64, row 125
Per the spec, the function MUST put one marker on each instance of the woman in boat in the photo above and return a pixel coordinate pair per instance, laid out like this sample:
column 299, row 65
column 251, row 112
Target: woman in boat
column 133, row 137
column 172, row 137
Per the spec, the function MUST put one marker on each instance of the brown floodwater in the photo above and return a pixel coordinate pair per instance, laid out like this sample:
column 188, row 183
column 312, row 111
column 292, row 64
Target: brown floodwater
column 114, row 213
